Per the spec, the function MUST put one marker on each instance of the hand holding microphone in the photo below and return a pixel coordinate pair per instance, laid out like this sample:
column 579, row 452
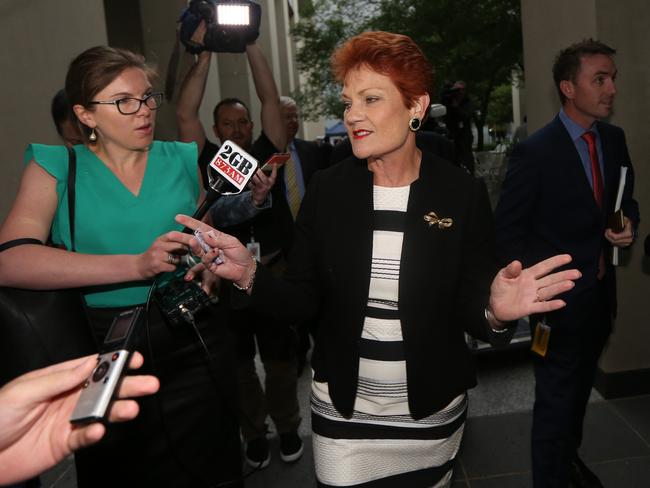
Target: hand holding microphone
column 223, row 255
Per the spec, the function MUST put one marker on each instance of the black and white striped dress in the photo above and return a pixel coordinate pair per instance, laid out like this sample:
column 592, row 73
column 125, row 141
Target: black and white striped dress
column 381, row 445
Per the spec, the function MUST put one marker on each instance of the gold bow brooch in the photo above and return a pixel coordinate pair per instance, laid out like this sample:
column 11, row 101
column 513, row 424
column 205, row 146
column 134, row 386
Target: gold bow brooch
column 433, row 219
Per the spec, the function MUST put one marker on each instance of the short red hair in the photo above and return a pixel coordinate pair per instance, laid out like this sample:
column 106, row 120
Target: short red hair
column 392, row 55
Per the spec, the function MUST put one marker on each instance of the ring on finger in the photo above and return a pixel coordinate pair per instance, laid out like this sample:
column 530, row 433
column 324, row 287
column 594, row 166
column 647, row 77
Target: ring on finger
column 171, row 259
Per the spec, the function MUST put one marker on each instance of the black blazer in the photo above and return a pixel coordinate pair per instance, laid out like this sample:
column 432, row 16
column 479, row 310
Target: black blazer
column 312, row 157
column 547, row 207
column 444, row 281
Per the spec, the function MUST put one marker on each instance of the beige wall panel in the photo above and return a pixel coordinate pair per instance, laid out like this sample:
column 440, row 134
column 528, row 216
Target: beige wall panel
column 626, row 29
column 551, row 25
column 159, row 19
column 39, row 39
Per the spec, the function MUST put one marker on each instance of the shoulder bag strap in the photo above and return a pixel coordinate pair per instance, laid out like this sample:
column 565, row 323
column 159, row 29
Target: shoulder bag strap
column 72, row 178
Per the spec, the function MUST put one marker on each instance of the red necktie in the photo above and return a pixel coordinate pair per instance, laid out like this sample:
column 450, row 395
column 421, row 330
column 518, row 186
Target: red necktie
column 596, row 177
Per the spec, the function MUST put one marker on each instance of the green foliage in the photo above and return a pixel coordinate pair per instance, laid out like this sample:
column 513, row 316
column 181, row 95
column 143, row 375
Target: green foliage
column 500, row 107
column 306, row 8
column 318, row 35
column 478, row 41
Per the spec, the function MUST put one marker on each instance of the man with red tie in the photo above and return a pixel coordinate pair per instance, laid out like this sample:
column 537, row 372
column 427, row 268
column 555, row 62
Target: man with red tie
column 559, row 192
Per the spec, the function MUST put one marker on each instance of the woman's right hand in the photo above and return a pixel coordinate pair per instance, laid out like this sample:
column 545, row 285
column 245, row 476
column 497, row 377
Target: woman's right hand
column 237, row 265
column 161, row 257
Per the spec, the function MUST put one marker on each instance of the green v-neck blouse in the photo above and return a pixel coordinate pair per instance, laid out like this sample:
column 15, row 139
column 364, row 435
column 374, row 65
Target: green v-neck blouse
column 109, row 219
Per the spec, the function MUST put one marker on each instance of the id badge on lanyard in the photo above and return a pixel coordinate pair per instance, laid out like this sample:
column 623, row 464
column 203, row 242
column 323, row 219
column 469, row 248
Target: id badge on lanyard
column 541, row 337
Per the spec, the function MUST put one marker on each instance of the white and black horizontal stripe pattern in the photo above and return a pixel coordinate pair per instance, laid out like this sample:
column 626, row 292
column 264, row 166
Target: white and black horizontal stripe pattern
column 328, row 422
column 381, row 308
column 383, row 388
column 428, row 477
column 455, row 410
column 385, row 269
column 381, row 444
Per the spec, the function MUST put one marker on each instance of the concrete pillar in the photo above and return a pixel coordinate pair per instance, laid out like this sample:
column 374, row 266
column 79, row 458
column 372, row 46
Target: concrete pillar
column 548, row 27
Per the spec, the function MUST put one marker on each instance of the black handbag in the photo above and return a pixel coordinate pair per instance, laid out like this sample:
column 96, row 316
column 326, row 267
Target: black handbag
column 42, row 327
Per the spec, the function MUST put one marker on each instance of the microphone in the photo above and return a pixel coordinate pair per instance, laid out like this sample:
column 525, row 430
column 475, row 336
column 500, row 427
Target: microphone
column 646, row 245
column 437, row 110
column 228, row 174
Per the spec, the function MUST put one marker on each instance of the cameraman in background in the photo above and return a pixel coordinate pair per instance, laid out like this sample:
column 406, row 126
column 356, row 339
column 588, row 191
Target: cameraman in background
column 459, row 122
column 268, row 236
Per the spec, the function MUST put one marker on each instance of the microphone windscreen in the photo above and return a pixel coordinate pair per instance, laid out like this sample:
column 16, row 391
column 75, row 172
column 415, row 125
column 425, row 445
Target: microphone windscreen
column 437, row 110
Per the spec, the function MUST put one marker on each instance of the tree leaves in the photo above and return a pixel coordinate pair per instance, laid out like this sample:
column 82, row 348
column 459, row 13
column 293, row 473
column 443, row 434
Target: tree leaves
column 477, row 41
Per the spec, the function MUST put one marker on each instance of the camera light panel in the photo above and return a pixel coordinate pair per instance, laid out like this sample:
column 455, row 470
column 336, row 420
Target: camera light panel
column 232, row 14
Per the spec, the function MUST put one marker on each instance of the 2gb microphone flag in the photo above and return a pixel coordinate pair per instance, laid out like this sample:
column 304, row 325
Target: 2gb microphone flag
column 233, row 166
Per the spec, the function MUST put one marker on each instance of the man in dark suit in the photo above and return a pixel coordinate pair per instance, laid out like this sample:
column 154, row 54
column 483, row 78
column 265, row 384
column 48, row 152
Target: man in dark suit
column 307, row 157
column 559, row 191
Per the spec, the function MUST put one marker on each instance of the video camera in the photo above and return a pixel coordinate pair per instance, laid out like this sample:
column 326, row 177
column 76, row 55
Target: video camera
column 230, row 25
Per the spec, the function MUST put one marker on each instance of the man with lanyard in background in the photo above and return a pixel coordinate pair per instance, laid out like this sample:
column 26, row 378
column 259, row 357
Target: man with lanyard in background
column 560, row 189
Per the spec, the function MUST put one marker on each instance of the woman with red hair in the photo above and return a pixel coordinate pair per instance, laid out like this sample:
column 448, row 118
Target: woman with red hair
column 394, row 254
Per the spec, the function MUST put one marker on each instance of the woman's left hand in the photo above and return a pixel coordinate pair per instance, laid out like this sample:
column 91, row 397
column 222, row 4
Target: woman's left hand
column 517, row 292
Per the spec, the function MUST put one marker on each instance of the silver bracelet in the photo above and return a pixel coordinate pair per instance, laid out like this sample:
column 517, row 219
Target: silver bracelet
column 250, row 281
column 489, row 314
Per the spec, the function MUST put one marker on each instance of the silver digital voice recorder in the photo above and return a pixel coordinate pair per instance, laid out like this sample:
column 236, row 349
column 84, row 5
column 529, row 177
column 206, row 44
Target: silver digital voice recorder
column 113, row 359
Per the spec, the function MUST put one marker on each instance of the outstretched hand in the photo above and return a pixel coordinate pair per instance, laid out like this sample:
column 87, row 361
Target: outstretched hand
column 517, row 291
column 35, row 409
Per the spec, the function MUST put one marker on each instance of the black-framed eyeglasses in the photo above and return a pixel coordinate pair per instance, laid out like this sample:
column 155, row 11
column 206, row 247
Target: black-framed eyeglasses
column 129, row 105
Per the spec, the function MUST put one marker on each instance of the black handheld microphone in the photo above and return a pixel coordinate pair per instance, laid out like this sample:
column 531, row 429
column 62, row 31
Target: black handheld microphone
column 228, row 174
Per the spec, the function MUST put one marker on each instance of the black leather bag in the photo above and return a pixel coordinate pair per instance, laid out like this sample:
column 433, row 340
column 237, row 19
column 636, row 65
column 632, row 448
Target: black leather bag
column 42, row 327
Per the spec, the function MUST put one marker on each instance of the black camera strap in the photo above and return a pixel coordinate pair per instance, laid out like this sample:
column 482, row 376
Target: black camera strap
column 72, row 181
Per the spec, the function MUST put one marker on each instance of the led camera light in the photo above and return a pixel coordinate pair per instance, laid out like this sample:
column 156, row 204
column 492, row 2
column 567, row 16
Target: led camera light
column 230, row 25
column 229, row 14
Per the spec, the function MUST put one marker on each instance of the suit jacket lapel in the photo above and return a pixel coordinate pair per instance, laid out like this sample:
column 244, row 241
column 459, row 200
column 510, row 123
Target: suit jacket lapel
column 354, row 223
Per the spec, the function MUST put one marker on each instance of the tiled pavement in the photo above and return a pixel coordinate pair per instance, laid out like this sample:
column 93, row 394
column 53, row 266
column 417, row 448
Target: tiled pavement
column 495, row 451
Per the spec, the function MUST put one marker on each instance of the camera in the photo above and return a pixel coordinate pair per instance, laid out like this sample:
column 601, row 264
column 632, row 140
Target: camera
column 230, row 25
column 114, row 355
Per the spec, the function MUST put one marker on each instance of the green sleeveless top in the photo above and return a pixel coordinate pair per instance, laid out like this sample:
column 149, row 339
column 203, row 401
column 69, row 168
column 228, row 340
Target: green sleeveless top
column 109, row 219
